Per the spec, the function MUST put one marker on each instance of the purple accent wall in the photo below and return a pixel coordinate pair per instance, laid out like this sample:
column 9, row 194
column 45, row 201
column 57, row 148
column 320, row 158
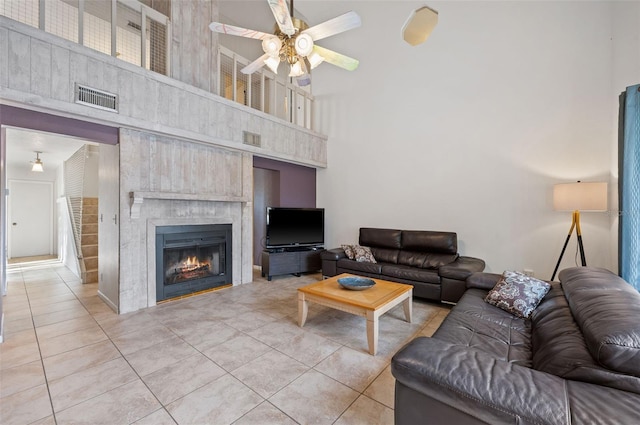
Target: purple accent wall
column 297, row 182
column 24, row 118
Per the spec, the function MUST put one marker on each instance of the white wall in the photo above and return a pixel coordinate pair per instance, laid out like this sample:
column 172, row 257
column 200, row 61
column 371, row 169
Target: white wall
column 469, row 131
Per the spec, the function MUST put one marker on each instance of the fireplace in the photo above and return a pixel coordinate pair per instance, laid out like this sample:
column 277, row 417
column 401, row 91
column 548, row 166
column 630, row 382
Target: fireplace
column 192, row 258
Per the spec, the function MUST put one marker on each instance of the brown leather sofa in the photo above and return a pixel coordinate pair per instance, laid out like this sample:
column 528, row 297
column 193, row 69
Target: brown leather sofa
column 427, row 260
column 575, row 361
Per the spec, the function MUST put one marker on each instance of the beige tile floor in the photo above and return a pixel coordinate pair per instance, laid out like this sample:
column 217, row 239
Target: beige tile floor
column 233, row 356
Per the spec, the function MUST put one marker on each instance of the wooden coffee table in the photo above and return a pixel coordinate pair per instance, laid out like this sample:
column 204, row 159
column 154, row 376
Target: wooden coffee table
column 370, row 303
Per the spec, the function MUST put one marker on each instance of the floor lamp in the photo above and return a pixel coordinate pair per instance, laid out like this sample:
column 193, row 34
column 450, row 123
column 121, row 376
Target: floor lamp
column 578, row 197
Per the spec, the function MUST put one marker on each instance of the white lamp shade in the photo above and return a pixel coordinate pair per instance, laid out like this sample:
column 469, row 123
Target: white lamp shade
column 315, row 59
column 37, row 167
column 271, row 46
column 296, row 69
column 580, row 196
column 272, row 63
column 304, row 45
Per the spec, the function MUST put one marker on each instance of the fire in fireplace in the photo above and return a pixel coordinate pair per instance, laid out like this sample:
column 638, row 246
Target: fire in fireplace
column 192, row 258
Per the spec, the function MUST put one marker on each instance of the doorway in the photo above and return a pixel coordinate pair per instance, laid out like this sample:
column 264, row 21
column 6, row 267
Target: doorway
column 30, row 219
column 266, row 193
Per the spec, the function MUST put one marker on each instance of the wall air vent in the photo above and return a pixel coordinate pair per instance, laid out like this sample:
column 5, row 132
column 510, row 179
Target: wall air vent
column 96, row 98
column 251, row 139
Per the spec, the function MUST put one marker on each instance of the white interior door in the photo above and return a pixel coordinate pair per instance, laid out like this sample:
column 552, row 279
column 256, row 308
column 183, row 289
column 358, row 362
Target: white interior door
column 30, row 226
column 109, row 225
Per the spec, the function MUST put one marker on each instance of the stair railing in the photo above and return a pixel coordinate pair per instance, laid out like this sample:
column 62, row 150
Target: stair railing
column 74, row 187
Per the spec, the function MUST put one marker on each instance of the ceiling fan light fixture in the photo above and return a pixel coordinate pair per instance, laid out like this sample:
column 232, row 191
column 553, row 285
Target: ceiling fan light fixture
column 304, row 44
column 315, row 59
column 272, row 62
column 272, row 46
column 296, row 69
column 37, row 164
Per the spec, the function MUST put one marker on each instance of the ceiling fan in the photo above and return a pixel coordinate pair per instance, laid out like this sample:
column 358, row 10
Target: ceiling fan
column 293, row 41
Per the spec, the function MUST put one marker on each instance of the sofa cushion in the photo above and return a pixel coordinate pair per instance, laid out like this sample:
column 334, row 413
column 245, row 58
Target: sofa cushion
column 606, row 309
column 560, row 349
column 425, row 260
column 363, row 254
column 382, row 238
column 474, row 323
column 427, row 241
column 348, row 251
column 385, row 255
column 355, row 266
column 517, row 293
column 410, row 273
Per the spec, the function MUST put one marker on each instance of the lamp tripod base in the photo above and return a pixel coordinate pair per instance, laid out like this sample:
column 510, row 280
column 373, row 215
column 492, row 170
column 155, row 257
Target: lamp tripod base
column 575, row 224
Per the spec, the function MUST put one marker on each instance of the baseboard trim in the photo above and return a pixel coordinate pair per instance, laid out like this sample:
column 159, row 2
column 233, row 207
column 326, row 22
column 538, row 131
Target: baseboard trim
column 108, row 302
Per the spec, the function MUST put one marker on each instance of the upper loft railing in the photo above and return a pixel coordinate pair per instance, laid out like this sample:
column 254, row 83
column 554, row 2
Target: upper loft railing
column 126, row 29
column 135, row 33
column 263, row 91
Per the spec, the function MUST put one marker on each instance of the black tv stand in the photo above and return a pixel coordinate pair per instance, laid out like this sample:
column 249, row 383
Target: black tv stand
column 291, row 260
column 294, row 249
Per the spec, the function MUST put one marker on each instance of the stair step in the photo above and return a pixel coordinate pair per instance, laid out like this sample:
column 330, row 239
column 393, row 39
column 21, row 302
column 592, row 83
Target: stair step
column 89, row 229
column 89, row 239
column 90, row 276
column 89, row 209
column 90, row 250
column 89, row 201
column 91, row 263
column 89, row 218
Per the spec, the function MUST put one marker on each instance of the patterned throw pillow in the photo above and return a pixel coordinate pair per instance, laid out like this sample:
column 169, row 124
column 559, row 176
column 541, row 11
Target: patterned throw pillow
column 363, row 254
column 517, row 293
column 348, row 250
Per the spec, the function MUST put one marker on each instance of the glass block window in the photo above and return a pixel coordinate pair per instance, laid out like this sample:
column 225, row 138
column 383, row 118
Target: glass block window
column 269, row 84
column 226, row 76
column 97, row 25
column 281, row 101
column 242, row 82
column 25, row 11
column 95, row 19
column 61, row 18
column 256, row 91
column 129, row 35
column 156, row 47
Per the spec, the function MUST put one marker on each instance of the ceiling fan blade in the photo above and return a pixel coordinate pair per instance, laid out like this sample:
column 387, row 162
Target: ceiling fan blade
column 334, row 26
column 281, row 13
column 255, row 65
column 241, row 32
column 336, row 58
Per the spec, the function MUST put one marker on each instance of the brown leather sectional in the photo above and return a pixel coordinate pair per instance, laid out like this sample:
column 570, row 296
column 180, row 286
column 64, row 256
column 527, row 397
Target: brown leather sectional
column 575, row 361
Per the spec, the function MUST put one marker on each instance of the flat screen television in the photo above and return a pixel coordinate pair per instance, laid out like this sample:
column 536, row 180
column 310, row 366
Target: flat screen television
column 294, row 227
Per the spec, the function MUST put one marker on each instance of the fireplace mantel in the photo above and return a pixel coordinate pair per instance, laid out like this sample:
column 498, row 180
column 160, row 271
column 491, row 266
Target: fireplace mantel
column 137, row 198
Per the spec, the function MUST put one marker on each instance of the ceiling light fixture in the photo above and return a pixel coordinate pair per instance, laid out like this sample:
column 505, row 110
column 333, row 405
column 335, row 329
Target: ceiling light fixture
column 419, row 25
column 37, row 164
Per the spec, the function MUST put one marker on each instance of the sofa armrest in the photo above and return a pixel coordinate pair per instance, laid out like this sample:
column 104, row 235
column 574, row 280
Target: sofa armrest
column 333, row 254
column 483, row 280
column 330, row 259
column 461, row 268
column 479, row 385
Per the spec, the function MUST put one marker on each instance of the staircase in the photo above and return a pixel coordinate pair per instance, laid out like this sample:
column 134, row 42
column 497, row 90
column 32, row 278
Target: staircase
column 89, row 240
